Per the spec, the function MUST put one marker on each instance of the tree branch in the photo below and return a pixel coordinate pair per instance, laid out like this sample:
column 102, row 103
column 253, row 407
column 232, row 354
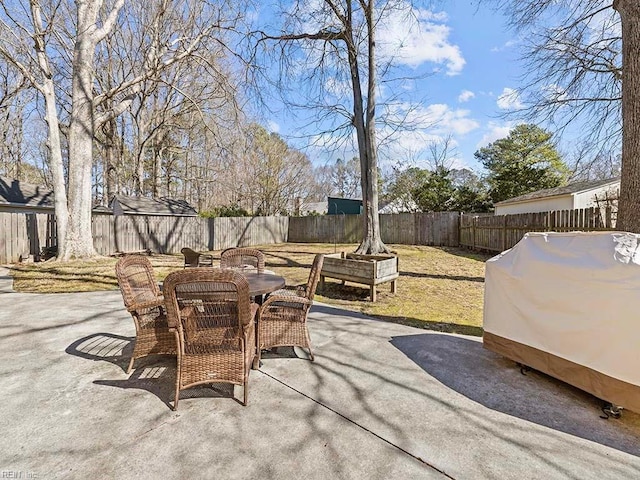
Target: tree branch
column 100, row 33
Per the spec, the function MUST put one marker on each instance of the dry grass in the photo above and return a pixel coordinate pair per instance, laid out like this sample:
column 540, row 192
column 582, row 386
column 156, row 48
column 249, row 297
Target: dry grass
column 438, row 288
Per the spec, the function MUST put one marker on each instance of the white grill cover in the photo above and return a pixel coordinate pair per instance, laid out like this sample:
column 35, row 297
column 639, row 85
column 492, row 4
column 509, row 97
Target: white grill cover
column 575, row 295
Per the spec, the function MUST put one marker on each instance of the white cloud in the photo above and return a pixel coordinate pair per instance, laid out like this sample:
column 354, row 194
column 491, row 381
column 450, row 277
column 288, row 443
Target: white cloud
column 495, row 131
column 437, row 118
column 465, row 96
column 509, row 99
column 444, row 119
column 428, row 124
column 273, row 127
column 506, row 45
column 414, row 37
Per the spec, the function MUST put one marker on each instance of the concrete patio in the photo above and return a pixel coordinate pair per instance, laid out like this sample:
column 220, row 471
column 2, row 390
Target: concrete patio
column 380, row 401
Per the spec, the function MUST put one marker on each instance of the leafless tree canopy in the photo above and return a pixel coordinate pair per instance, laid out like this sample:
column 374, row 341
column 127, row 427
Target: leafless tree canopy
column 572, row 58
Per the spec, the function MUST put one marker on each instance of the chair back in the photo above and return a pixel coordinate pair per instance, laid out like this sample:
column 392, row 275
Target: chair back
column 209, row 307
column 242, row 258
column 136, row 280
column 196, row 259
column 314, row 276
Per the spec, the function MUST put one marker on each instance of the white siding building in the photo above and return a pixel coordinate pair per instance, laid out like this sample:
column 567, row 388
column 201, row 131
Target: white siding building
column 570, row 197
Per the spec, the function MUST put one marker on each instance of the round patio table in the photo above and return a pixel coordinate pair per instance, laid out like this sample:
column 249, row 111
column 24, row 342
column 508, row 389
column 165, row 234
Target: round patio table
column 263, row 283
column 259, row 283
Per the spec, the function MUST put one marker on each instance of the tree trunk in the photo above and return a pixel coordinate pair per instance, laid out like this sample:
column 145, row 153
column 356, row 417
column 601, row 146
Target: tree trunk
column 110, row 170
column 56, row 164
column 366, row 132
column 51, row 117
column 79, row 241
column 629, row 203
column 140, row 151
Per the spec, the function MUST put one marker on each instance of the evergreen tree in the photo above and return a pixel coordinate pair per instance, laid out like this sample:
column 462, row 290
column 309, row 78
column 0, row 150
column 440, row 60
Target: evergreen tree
column 523, row 162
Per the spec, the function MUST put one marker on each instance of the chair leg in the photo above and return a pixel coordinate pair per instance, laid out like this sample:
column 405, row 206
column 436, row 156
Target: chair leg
column 246, row 392
column 177, row 396
column 131, row 364
column 306, row 333
column 256, row 358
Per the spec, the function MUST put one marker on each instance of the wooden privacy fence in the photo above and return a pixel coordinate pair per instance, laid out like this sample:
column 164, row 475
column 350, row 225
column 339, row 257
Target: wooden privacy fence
column 161, row 234
column 401, row 228
column 23, row 234
column 499, row 233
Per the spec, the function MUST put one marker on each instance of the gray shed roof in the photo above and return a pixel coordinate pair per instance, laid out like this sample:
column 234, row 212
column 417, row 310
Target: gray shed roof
column 16, row 193
column 572, row 188
column 153, row 206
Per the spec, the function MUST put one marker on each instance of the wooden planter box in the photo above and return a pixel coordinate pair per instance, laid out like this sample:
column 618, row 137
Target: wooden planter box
column 369, row 270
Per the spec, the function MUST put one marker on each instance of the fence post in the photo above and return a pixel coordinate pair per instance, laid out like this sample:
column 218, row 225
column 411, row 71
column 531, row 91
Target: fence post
column 504, row 233
column 473, row 233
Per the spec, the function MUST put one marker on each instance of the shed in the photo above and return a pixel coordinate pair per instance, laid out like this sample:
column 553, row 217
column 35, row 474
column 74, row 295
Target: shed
column 125, row 205
column 570, row 197
column 347, row 206
column 21, row 197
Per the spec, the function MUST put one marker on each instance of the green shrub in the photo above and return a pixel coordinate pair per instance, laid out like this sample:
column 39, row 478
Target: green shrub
column 225, row 211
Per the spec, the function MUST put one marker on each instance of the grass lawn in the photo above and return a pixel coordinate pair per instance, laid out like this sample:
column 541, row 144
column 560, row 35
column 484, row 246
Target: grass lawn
column 438, row 288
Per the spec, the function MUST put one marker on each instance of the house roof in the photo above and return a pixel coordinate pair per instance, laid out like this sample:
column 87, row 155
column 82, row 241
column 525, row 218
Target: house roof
column 102, row 209
column 571, row 189
column 16, row 193
column 153, row 206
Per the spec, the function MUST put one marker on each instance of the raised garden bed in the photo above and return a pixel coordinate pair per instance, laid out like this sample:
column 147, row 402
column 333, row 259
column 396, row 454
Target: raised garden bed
column 368, row 270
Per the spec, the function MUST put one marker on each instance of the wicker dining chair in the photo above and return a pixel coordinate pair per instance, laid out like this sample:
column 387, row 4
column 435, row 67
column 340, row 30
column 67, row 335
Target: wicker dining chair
column 215, row 327
column 145, row 303
column 196, row 259
column 282, row 319
column 242, row 258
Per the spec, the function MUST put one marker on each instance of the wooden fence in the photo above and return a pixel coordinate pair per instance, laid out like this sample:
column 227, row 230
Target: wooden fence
column 402, row 228
column 499, row 233
column 23, row 234
column 162, row 234
column 26, row 234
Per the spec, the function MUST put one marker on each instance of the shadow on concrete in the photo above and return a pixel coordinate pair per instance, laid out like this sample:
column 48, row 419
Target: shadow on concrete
column 107, row 347
column 155, row 374
column 497, row 383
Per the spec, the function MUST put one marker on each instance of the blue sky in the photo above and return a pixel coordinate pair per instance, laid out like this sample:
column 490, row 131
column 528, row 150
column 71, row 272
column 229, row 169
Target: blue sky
column 475, row 60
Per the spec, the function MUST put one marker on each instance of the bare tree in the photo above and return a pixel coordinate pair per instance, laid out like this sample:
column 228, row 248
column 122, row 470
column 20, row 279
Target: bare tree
column 338, row 38
column 585, row 166
column 441, row 153
column 345, row 178
column 585, row 66
column 32, row 46
column 572, row 59
column 13, row 97
column 25, row 38
column 271, row 176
